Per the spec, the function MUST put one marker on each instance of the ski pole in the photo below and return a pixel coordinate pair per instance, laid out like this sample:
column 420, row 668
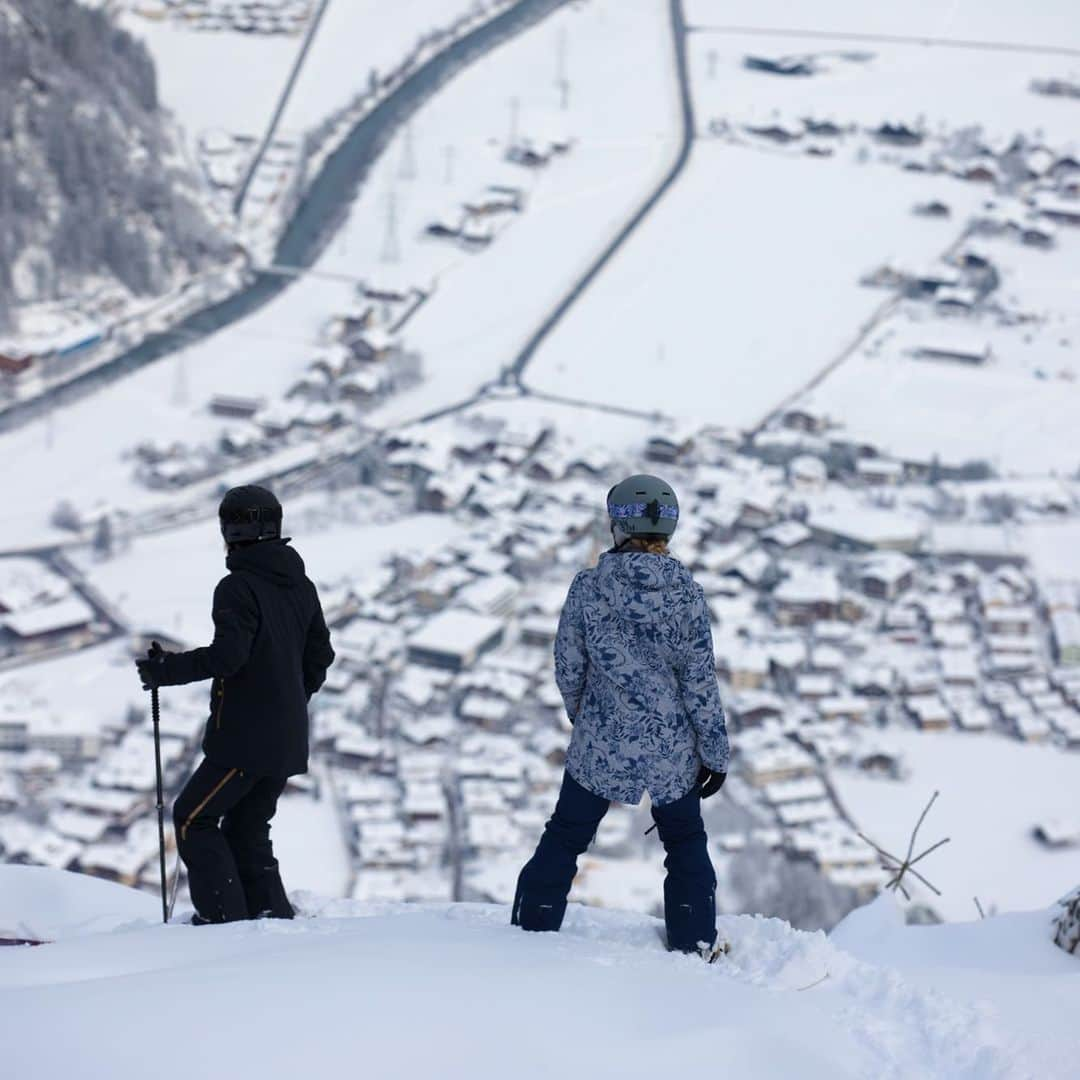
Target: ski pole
column 174, row 887
column 155, row 712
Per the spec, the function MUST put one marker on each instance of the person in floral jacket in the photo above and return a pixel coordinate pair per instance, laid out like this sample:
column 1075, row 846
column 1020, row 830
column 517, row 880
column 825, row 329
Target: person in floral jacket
column 635, row 667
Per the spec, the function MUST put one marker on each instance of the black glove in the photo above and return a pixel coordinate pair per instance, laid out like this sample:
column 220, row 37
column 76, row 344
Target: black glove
column 152, row 668
column 710, row 782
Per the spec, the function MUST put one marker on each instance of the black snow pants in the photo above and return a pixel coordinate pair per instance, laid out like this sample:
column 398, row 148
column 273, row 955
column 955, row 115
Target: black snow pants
column 689, row 889
column 222, row 822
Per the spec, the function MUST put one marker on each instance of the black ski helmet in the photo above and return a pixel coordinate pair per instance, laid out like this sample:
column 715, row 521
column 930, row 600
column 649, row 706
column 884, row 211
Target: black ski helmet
column 248, row 514
column 643, row 507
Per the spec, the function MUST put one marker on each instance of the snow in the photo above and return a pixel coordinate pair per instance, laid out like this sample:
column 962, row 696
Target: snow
column 464, row 334
column 772, row 278
column 338, row 539
column 1050, row 23
column 250, row 70
column 945, row 88
column 39, row 904
column 485, row 307
column 359, row 982
column 309, row 842
column 63, row 615
column 216, row 80
column 354, row 39
column 458, row 633
column 994, row 791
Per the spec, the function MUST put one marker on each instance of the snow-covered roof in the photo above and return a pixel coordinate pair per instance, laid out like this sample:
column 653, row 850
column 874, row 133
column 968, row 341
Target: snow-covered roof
column 456, row 633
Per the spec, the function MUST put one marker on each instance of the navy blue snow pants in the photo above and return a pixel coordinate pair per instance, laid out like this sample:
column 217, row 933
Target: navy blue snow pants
column 689, row 889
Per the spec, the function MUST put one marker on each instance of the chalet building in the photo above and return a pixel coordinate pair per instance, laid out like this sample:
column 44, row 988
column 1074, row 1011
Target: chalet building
column 1065, row 628
column 849, row 708
column 779, row 762
column 235, row 406
column 669, row 449
column 971, row 353
column 745, row 667
column 935, row 208
column 886, row 576
column 806, row 597
column 981, row 172
column 1060, row 211
column 1055, row 833
column 898, row 134
column 68, row 622
column 754, row 709
column 799, row 419
column 1013, row 621
column 445, row 493
column 929, row 712
column 373, row 346
column 807, row 473
column 12, row 363
column 780, row 65
column 879, row 471
column 814, row 687
column 881, row 761
column 777, row 131
column 455, row 640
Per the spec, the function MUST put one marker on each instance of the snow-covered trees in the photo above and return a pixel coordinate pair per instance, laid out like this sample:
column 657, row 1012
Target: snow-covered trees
column 1067, row 923
column 90, row 182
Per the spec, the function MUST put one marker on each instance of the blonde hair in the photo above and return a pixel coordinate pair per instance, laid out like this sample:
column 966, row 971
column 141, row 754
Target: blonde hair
column 650, row 547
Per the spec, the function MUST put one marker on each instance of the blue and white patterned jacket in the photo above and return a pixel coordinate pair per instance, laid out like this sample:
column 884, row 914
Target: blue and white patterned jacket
column 634, row 663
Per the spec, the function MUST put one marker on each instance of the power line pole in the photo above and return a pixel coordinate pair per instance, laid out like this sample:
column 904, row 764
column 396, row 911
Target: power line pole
column 180, row 381
column 562, row 76
column 515, row 111
column 407, row 171
column 391, row 251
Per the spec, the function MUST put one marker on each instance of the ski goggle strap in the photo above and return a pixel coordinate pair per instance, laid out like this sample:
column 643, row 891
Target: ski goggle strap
column 653, row 511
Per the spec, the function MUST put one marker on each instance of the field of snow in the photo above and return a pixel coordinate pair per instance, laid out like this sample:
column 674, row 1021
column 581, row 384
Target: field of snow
column 309, row 843
column 98, row 681
column 216, row 81
column 165, row 581
column 250, row 70
column 1017, row 411
column 740, row 286
column 1041, row 22
column 484, row 306
column 454, row 991
column 354, row 39
column 1053, row 548
column 994, row 791
column 944, row 88
column 1019, row 422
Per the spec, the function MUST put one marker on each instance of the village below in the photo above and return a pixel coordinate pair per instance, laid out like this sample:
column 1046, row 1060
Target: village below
column 825, row 288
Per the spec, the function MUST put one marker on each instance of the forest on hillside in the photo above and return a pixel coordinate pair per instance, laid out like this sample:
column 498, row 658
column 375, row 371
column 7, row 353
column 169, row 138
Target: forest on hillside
column 93, row 187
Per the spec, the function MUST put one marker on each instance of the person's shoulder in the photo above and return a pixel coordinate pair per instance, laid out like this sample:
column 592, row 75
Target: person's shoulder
column 233, row 586
column 583, row 579
column 692, row 592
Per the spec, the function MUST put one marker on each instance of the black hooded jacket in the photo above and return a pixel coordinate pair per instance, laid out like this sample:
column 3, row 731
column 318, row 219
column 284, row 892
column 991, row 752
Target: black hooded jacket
column 270, row 653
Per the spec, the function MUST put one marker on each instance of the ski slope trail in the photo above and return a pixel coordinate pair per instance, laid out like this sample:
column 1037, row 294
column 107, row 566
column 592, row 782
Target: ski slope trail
column 453, row 991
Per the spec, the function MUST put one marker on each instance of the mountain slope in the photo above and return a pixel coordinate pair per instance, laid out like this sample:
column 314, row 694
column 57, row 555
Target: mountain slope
column 449, row 991
column 92, row 190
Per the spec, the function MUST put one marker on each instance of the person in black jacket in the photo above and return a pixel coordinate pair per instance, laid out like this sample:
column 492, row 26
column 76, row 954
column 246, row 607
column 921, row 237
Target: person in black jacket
column 270, row 653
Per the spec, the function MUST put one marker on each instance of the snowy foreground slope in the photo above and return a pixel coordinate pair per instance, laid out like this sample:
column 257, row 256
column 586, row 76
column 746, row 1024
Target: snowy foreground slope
column 449, row 991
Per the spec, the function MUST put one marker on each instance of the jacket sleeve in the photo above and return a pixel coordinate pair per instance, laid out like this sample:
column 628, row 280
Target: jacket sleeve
column 318, row 655
column 236, row 619
column 699, row 688
column 571, row 658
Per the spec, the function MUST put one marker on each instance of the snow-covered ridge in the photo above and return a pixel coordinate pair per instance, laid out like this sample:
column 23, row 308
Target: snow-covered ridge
column 453, row 990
